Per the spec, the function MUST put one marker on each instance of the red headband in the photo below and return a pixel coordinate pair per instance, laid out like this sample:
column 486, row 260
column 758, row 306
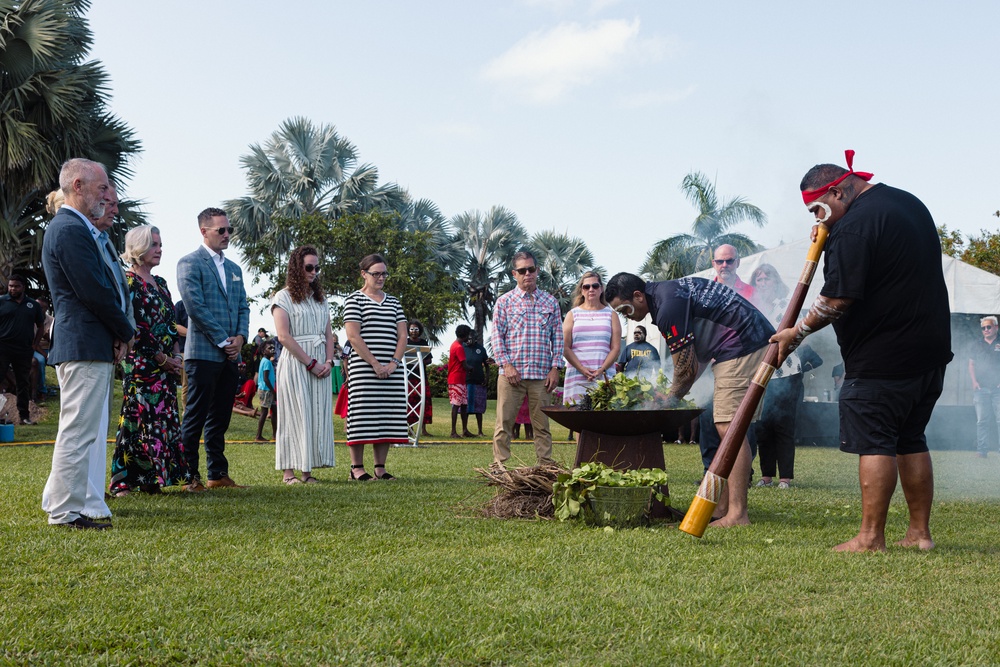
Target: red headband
column 812, row 195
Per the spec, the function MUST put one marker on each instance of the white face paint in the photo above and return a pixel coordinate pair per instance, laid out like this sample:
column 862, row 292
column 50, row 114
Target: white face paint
column 626, row 309
column 815, row 209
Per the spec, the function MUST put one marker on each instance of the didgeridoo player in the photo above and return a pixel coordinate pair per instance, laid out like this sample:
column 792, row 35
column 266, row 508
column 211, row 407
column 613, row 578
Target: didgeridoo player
column 704, row 322
column 885, row 295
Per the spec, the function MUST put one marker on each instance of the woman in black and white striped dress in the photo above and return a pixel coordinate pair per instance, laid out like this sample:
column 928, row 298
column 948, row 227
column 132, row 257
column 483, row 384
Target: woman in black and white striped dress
column 376, row 397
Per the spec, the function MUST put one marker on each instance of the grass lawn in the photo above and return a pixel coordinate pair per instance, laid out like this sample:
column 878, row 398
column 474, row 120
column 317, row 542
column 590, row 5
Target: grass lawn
column 403, row 573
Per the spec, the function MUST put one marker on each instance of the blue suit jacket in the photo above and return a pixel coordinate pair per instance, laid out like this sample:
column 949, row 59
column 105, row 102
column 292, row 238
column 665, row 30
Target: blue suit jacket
column 214, row 313
column 85, row 297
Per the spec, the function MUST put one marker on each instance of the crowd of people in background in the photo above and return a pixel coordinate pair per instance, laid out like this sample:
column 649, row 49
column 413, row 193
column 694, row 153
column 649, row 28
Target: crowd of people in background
column 189, row 355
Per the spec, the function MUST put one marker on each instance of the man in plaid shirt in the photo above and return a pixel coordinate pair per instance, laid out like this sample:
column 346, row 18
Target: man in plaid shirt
column 527, row 345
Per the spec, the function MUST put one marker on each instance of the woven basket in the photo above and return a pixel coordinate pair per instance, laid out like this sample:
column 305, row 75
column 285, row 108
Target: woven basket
column 618, row 506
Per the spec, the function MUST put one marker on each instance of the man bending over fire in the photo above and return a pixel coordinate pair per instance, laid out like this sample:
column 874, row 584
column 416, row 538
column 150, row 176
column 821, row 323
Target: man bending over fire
column 704, row 322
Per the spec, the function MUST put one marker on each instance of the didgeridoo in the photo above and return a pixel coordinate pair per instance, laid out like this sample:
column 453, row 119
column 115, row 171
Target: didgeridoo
column 713, row 485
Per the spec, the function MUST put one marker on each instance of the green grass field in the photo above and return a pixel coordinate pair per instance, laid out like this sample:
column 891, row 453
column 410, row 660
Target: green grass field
column 404, row 573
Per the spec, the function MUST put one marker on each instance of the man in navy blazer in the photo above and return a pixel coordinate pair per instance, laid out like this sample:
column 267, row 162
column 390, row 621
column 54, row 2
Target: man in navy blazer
column 212, row 289
column 91, row 333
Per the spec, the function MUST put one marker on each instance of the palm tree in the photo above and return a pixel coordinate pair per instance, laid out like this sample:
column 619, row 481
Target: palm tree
column 487, row 241
column 423, row 215
column 562, row 259
column 682, row 254
column 304, row 169
column 53, row 107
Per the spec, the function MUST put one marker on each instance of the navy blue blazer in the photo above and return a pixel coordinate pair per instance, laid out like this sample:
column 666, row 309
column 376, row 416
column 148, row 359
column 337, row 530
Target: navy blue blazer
column 88, row 317
column 214, row 313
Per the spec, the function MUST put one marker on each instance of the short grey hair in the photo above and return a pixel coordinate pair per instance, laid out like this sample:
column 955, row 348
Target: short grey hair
column 138, row 241
column 75, row 168
column 523, row 253
column 989, row 318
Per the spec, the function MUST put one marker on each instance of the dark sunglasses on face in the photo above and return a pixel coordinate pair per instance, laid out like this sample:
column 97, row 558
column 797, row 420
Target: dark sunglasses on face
column 527, row 269
column 727, row 262
column 311, row 267
column 224, row 230
column 591, row 286
column 987, row 327
column 378, row 274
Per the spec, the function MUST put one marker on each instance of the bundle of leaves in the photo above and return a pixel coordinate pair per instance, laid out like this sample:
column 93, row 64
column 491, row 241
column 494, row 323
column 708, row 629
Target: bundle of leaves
column 570, row 491
column 522, row 493
column 621, row 392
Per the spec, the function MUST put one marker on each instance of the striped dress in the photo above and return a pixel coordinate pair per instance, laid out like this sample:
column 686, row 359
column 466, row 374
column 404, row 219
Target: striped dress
column 376, row 409
column 591, row 344
column 305, row 429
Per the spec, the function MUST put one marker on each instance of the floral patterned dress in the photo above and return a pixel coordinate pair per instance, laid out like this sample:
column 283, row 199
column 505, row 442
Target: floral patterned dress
column 148, row 447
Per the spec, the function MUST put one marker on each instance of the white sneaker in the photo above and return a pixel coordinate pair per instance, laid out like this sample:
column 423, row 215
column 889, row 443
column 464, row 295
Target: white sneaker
column 784, row 485
column 764, row 483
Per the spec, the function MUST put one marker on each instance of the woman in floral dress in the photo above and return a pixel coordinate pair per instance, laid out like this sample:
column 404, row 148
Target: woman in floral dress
column 148, row 450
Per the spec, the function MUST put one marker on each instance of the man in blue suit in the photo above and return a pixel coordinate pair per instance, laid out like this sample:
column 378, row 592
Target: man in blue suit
column 212, row 289
column 91, row 333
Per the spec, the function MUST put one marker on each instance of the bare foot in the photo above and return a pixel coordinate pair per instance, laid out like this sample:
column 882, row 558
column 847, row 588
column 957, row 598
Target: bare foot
column 467, row 434
column 455, row 435
column 259, row 439
column 917, row 539
column 861, row 545
column 728, row 521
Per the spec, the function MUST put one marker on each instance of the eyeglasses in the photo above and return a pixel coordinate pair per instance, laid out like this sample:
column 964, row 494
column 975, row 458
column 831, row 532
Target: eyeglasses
column 591, row 286
column 526, row 269
column 378, row 274
column 727, row 262
column 224, row 230
column 311, row 267
column 987, row 327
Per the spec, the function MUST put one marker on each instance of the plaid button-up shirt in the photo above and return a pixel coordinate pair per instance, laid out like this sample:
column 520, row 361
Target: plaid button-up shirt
column 527, row 332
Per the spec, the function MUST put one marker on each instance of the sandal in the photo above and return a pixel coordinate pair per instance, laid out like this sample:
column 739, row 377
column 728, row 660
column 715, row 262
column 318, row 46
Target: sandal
column 309, row 479
column 362, row 478
column 384, row 474
column 292, row 480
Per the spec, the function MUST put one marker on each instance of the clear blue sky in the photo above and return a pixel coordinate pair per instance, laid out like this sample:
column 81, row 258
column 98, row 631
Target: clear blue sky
column 580, row 116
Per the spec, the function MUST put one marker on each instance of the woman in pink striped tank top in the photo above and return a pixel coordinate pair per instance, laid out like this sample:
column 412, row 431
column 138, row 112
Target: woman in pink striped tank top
column 592, row 333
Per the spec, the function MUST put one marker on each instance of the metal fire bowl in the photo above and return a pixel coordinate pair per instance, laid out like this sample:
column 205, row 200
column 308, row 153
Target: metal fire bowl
column 621, row 422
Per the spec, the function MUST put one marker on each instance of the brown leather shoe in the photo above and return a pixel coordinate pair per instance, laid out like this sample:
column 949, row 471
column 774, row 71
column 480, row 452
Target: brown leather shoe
column 195, row 487
column 223, row 483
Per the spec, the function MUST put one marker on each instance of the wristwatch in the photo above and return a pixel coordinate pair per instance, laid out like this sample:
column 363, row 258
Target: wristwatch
column 398, row 362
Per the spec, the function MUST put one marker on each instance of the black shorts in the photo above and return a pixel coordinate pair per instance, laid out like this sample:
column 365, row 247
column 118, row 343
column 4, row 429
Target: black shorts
column 888, row 417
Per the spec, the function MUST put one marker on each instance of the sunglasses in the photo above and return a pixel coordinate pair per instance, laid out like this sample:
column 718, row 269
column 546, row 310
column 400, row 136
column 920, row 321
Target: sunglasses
column 987, row 327
column 311, row 267
column 527, row 269
column 727, row 262
column 591, row 286
column 378, row 274
column 224, row 230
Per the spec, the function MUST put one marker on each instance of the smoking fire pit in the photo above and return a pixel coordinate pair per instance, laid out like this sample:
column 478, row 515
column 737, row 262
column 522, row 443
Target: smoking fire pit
column 623, row 439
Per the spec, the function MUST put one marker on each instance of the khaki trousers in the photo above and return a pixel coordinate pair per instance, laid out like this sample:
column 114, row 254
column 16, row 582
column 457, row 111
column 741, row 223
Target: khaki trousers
column 509, row 400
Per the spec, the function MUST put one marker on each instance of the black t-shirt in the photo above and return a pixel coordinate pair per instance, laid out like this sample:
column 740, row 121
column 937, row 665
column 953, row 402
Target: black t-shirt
column 181, row 317
column 986, row 362
column 720, row 323
column 885, row 253
column 475, row 364
column 18, row 322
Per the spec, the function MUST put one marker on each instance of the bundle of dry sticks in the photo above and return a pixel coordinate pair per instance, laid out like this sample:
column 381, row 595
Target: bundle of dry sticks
column 523, row 493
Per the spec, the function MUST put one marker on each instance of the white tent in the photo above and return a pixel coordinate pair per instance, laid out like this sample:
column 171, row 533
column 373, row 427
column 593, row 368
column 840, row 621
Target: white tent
column 970, row 289
column 971, row 292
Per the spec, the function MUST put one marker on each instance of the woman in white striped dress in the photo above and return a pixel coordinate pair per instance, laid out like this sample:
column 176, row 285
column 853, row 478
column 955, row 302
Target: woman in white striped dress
column 592, row 335
column 376, row 393
column 302, row 320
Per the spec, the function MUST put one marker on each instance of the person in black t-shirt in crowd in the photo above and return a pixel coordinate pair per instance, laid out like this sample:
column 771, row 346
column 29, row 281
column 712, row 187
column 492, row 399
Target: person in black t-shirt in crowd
column 984, row 371
column 884, row 293
column 21, row 327
column 476, row 365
